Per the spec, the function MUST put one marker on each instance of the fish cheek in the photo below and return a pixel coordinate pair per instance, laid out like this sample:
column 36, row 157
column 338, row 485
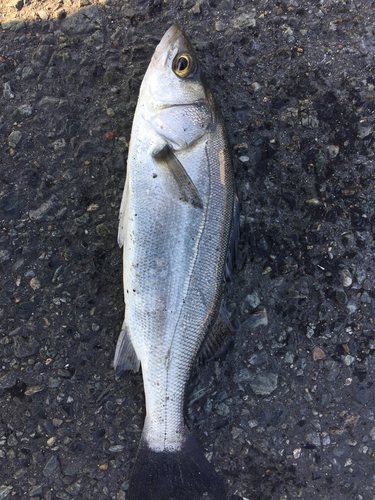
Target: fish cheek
column 183, row 125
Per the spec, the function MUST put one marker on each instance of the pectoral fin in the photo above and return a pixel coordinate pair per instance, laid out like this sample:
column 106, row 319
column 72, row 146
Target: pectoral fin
column 186, row 187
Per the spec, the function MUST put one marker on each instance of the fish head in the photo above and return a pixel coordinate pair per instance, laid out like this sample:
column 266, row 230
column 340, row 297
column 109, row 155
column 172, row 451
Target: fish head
column 176, row 99
column 175, row 70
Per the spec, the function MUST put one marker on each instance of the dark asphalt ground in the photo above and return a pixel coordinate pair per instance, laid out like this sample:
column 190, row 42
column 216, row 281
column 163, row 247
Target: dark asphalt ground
column 288, row 412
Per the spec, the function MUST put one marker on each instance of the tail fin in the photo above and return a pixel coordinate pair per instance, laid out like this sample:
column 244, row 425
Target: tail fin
column 166, row 475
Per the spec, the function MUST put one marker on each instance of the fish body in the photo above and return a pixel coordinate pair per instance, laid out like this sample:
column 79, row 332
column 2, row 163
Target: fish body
column 176, row 219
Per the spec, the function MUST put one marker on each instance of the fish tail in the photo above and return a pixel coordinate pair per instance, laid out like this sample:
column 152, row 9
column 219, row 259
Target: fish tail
column 173, row 475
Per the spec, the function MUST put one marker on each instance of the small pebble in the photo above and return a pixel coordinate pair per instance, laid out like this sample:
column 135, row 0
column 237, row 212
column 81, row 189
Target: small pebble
column 43, row 15
column 326, row 440
column 4, row 255
column 243, row 21
column 314, row 438
column 289, row 358
column 364, row 131
column 17, row 4
column 35, row 283
column 219, row 26
column 51, row 466
column 14, row 138
column 318, row 353
column 5, row 491
column 39, row 213
column 333, row 151
column 196, row 9
column 347, row 279
column 51, row 441
column 7, row 92
column 244, row 159
column 264, row 383
column 348, row 360
column 36, row 490
column 59, row 144
column 341, row 297
column 25, row 110
column 310, row 329
column 253, row 299
column 34, row 389
column 314, row 202
column 116, row 449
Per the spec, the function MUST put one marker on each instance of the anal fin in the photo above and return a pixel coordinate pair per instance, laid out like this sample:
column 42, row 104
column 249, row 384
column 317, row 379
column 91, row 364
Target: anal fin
column 219, row 339
column 125, row 355
column 189, row 193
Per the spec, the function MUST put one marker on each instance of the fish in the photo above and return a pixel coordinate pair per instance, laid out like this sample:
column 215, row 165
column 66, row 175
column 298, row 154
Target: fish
column 179, row 237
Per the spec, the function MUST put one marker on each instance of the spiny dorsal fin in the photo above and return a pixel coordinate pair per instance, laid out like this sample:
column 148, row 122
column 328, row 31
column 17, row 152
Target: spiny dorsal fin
column 233, row 244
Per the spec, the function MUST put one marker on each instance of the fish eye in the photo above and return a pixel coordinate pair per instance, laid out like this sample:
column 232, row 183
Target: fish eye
column 183, row 65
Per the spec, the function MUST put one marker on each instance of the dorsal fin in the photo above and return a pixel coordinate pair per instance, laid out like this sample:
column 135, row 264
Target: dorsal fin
column 233, row 243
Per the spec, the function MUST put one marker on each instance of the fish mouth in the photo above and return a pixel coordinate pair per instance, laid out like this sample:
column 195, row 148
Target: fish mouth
column 173, row 42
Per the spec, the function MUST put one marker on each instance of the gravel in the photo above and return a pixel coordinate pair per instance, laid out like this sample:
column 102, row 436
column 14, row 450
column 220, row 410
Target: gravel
column 288, row 412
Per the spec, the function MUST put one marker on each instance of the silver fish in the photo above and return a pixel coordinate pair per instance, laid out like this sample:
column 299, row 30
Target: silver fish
column 176, row 219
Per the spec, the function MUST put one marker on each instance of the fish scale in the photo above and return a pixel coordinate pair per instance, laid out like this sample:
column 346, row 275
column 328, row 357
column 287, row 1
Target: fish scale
column 176, row 219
